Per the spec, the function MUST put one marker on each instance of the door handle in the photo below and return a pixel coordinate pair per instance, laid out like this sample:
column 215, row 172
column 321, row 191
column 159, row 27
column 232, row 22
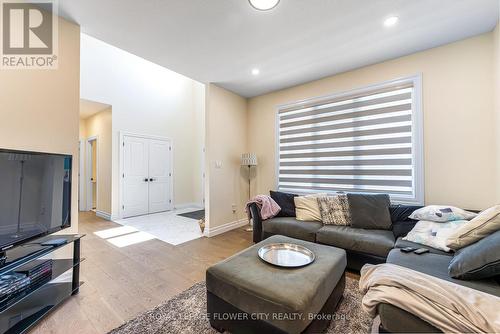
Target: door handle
column 146, row 180
column 151, row 179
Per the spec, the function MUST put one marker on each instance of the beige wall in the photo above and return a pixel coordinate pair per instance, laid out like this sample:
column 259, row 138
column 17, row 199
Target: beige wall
column 459, row 128
column 82, row 129
column 226, row 133
column 82, row 135
column 40, row 108
column 199, row 143
column 496, row 64
column 100, row 125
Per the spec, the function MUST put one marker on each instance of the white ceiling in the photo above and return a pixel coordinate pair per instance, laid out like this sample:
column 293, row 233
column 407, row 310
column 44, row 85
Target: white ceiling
column 89, row 108
column 221, row 41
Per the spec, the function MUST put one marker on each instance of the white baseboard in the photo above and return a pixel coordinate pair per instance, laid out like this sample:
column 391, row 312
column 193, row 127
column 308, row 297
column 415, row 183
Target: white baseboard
column 211, row 232
column 103, row 215
column 188, row 205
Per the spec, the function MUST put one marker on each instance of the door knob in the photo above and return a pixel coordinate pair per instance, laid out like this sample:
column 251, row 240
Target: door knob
column 146, row 180
column 151, row 179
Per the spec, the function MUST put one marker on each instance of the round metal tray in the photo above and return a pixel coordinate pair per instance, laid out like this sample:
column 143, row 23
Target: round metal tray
column 286, row 255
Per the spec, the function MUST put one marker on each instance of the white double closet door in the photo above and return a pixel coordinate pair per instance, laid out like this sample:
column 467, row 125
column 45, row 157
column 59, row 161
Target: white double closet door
column 147, row 176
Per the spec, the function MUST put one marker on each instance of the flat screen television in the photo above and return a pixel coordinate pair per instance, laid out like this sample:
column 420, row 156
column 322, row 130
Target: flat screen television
column 35, row 195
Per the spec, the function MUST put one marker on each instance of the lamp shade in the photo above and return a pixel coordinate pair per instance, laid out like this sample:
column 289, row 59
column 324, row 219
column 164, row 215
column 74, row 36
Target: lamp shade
column 249, row 159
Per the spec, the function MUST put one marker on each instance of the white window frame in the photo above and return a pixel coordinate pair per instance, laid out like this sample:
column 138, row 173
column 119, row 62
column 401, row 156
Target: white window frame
column 417, row 131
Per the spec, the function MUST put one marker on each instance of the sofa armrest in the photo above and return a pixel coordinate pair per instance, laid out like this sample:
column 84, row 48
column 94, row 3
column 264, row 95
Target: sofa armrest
column 400, row 212
column 401, row 224
column 256, row 222
column 401, row 228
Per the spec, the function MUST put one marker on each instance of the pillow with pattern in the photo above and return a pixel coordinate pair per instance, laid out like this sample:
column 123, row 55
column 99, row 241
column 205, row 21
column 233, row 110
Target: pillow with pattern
column 441, row 214
column 335, row 210
column 434, row 234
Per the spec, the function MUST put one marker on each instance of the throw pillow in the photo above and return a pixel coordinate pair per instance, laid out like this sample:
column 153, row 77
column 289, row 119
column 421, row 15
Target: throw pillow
column 286, row 203
column 440, row 213
column 370, row 211
column 486, row 223
column 433, row 234
column 307, row 208
column 334, row 210
column 479, row 260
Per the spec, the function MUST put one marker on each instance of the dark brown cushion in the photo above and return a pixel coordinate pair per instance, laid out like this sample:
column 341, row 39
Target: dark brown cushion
column 370, row 211
column 286, row 203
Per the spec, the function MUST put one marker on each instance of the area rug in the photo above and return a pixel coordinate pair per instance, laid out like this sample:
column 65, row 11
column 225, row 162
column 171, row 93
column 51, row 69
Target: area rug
column 198, row 214
column 186, row 313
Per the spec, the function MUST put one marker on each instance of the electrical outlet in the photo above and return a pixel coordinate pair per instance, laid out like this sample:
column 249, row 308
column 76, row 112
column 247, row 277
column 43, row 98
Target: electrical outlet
column 234, row 207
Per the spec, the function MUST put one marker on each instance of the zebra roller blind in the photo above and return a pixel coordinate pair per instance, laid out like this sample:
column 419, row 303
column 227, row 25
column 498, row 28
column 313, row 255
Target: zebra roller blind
column 364, row 141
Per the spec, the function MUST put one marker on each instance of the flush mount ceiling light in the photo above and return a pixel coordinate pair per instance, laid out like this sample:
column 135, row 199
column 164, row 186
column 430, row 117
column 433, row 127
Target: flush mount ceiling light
column 255, row 71
column 264, row 4
column 391, row 21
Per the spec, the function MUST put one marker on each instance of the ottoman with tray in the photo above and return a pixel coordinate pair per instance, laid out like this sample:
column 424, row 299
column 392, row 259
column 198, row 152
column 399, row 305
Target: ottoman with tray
column 247, row 295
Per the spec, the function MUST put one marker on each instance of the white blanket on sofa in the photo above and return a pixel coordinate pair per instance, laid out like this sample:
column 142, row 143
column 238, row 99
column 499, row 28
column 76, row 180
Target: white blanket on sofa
column 445, row 305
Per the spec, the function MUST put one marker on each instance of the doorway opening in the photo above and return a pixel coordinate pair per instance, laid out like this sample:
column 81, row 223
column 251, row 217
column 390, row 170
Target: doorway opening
column 95, row 158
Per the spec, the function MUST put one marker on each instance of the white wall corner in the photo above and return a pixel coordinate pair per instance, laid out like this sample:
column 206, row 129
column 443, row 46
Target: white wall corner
column 211, row 232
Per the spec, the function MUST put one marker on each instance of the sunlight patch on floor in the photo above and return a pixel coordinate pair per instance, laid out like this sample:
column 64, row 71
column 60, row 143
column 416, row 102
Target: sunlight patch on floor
column 130, row 239
column 114, row 232
column 124, row 236
column 167, row 226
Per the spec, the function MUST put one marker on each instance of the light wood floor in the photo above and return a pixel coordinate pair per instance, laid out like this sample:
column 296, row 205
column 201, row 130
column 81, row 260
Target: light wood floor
column 122, row 282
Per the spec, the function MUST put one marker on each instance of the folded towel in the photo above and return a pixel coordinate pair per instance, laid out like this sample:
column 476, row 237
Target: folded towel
column 267, row 206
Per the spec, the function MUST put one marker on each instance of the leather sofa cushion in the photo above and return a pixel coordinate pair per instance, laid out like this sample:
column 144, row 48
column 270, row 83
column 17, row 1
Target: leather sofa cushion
column 395, row 320
column 437, row 265
column 376, row 242
column 400, row 243
column 291, row 227
column 479, row 260
column 253, row 286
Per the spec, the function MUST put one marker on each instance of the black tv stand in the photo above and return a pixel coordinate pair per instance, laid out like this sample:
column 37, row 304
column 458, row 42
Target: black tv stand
column 21, row 311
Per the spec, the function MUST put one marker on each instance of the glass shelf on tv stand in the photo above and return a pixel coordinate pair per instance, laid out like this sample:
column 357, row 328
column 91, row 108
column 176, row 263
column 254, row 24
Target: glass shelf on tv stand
column 22, row 254
column 21, row 312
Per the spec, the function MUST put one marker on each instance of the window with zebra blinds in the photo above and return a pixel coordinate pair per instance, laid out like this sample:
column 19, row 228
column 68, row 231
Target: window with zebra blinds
column 367, row 140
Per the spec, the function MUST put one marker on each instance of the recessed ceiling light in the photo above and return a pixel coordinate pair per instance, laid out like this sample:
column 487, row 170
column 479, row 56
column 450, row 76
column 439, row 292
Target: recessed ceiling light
column 391, row 21
column 255, row 71
column 264, row 4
